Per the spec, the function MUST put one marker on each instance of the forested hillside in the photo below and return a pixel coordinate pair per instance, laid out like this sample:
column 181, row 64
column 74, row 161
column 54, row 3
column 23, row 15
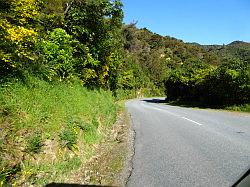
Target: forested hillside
column 149, row 58
column 64, row 63
column 216, row 76
column 236, row 49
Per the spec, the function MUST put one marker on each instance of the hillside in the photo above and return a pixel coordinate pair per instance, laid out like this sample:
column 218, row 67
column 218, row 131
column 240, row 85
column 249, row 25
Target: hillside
column 236, row 49
column 150, row 56
column 210, row 75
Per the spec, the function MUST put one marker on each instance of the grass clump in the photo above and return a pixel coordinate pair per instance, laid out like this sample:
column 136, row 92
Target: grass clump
column 68, row 138
column 34, row 144
column 41, row 123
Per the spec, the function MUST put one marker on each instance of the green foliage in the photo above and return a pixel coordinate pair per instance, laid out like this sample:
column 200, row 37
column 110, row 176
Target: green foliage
column 156, row 57
column 241, row 108
column 235, row 50
column 227, row 84
column 96, row 25
column 34, row 144
column 56, row 54
column 33, row 40
column 189, row 72
column 33, row 106
column 18, row 20
column 184, row 81
column 68, row 138
column 52, row 14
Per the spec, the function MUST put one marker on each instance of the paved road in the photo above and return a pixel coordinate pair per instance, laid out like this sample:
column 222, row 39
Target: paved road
column 176, row 146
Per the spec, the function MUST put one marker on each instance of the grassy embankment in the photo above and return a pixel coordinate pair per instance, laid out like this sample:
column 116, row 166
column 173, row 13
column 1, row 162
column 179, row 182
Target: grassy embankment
column 48, row 130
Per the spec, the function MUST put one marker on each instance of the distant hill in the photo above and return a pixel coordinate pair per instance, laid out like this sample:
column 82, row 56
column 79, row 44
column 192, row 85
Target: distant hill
column 143, row 42
column 236, row 49
column 239, row 43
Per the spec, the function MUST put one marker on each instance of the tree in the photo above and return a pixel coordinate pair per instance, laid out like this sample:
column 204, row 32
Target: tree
column 97, row 26
column 18, row 34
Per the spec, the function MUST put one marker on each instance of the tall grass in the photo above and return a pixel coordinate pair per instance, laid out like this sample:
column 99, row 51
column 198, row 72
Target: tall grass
column 42, row 123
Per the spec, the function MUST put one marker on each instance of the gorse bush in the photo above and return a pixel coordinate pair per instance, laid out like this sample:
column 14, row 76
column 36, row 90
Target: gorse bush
column 62, row 39
column 18, row 35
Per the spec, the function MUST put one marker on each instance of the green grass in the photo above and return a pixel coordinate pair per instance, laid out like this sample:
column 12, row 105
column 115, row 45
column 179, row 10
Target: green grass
column 68, row 116
column 240, row 108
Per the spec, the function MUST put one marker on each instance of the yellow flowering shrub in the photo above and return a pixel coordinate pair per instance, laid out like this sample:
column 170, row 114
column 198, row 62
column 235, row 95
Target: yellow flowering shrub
column 18, row 33
column 24, row 9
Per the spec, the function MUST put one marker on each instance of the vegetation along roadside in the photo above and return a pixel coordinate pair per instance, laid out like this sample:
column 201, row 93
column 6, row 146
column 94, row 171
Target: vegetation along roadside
column 64, row 67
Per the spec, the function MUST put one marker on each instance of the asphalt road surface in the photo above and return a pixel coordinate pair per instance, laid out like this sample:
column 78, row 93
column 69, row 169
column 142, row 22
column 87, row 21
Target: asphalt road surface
column 177, row 146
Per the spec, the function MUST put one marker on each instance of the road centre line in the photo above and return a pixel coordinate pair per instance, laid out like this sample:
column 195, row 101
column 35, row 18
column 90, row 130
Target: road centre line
column 156, row 108
column 192, row 121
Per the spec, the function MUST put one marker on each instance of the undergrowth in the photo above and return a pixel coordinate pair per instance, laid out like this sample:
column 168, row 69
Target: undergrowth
column 47, row 128
column 240, row 108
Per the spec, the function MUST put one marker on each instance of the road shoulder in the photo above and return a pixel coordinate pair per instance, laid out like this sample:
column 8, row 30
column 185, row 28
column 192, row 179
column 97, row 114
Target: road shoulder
column 112, row 163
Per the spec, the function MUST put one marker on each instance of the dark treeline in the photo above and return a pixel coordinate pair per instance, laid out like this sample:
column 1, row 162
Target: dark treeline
column 225, row 83
column 86, row 39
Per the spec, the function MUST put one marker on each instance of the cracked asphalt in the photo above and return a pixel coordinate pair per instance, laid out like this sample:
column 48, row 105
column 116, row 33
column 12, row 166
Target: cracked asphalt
column 177, row 146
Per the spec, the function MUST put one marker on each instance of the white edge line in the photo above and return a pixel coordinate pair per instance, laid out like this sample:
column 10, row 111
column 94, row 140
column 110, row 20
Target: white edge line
column 192, row 121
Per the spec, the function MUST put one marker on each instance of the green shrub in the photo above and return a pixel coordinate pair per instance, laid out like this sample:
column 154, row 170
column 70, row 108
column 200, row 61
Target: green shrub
column 34, row 144
column 225, row 85
column 56, row 53
column 68, row 138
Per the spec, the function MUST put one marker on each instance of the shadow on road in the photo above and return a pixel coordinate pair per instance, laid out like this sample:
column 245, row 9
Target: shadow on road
column 155, row 100
column 186, row 104
column 70, row 185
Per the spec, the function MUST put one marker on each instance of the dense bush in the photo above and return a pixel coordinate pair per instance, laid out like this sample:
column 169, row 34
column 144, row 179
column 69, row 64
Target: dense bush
column 56, row 52
column 226, row 84
column 184, row 81
column 229, row 84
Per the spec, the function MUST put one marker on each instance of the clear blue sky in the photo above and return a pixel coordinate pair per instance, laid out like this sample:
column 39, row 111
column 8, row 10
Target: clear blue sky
column 202, row 21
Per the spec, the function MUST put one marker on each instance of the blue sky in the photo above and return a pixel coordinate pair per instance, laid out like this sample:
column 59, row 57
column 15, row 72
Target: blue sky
column 202, row 21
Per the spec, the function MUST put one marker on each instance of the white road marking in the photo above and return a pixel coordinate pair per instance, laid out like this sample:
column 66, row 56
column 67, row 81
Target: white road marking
column 166, row 111
column 162, row 110
column 173, row 114
column 192, row 121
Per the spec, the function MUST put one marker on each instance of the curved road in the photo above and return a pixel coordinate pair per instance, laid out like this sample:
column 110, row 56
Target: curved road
column 177, row 146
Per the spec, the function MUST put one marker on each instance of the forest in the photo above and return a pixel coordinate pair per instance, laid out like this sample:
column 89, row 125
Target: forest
column 64, row 40
column 55, row 54
column 214, row 76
